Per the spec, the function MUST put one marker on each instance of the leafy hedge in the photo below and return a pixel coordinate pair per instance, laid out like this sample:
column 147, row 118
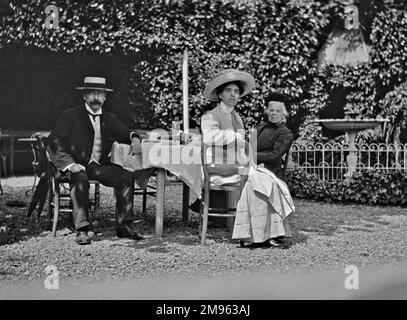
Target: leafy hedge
column 277, row 41
column 372, row 89
column 371, row 187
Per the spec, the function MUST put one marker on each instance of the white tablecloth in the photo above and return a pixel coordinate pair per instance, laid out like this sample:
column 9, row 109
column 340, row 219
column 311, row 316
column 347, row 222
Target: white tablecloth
column 183, row 161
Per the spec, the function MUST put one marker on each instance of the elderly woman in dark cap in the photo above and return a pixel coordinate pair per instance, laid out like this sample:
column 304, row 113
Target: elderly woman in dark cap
column 266, row 201
column 273, row 136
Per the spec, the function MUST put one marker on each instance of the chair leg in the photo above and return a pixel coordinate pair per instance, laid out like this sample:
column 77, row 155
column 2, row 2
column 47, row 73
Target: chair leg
column 232, row 199
column 33, row 186
column 71, row 217
column 1, row 188
column 145, row 200
column 4, row 166
column 200, row 217
column 50, row 205
column 97, row 198
column 96, row 202
column 56, row 208
column 230, row 222
column 185, row 202
column 205, row 217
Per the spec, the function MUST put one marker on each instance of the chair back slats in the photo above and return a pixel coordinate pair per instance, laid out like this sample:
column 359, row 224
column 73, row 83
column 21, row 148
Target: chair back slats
column 286, row 161
column 43, row 167
column 223, row 170
column 219, row 168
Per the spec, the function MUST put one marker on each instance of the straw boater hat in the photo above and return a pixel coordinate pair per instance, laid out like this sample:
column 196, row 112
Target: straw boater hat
column 97, row 83
column 225, row 76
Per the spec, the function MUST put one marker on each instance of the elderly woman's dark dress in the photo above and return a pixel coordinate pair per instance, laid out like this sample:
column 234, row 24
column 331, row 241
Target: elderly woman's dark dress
column 273, row 141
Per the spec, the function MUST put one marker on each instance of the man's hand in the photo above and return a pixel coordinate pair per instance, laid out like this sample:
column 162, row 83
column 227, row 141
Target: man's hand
column 75, row 168
column 135, row 147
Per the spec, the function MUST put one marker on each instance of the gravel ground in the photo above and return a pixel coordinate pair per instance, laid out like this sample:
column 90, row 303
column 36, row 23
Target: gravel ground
column 326, row 238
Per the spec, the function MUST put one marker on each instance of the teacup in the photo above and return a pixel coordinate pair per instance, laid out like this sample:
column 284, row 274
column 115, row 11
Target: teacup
column 154, row 136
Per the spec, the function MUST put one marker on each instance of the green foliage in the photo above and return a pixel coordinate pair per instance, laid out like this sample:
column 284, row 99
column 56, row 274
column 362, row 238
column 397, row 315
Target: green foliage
column 373, row 89
column 394, row 107
column 272, row 40
column 277, row 41
column 373, row 187
column 389, row 56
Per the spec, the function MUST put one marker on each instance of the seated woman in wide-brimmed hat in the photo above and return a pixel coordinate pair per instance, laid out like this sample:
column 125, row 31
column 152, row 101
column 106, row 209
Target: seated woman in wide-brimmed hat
column 222, row 127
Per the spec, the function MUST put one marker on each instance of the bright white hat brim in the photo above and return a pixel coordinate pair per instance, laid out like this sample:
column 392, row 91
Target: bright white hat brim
column 245, row 78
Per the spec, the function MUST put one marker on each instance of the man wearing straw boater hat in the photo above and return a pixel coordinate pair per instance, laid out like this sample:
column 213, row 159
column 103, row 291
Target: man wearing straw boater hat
column 222, row 126
column 80, row 145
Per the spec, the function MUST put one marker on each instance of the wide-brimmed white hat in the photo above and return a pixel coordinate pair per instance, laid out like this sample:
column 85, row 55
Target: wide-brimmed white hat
column 97, row 83
column 228, row 75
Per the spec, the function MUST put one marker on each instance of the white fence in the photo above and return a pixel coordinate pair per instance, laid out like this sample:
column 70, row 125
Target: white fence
column 329, row 160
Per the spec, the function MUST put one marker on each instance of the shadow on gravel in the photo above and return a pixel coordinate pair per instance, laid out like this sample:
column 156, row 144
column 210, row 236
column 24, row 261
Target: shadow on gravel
column 310, row 219
column 15, row 227
column 324, row 219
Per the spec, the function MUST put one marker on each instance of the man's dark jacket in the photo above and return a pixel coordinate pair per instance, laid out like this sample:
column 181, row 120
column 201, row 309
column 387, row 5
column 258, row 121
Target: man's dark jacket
column 273, row 141
column 72, row 138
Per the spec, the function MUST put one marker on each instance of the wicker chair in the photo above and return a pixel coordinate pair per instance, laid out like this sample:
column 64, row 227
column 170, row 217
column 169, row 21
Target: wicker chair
column 226, row 170
column 52, row 183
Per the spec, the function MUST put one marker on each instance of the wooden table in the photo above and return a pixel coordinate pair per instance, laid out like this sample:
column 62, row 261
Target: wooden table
column 159, row 217
column 190, row 175
column 12, row 136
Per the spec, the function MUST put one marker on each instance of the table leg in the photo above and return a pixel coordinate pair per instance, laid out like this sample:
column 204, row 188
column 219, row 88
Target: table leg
column 185, row 202
column 159, row 216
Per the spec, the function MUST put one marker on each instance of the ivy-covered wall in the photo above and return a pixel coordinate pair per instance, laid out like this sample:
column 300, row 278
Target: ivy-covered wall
column 140, row 44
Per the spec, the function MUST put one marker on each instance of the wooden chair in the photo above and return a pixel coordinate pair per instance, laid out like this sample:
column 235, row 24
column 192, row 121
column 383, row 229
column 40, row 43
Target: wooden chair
column 58, row 201
column 225, row 170
column 286, row 161
column 150, row 190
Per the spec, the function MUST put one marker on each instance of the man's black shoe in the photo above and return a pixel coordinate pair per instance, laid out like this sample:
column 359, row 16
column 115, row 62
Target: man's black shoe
column 82, row 238
column 126, row 230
